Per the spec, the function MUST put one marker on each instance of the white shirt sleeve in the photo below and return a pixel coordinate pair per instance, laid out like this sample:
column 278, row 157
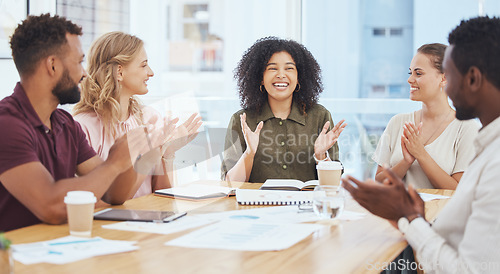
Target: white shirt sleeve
column 478, row 251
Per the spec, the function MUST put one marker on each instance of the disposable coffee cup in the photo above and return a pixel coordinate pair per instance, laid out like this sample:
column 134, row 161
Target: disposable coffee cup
column 80, row 208
column 329, row 172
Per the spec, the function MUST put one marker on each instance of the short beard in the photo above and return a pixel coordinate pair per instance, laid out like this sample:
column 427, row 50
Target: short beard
column 66, row 90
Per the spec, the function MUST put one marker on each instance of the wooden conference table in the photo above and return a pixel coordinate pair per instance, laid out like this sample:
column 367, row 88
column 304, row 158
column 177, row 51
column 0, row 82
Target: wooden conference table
column 361, row 246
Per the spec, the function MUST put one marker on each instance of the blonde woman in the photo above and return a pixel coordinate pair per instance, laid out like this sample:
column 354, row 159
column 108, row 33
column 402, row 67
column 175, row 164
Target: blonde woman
column 428, row 148
column 118, row 70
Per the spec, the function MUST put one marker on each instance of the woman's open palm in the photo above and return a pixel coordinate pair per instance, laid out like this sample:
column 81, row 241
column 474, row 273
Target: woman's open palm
column 326, row 139
column 251, row 137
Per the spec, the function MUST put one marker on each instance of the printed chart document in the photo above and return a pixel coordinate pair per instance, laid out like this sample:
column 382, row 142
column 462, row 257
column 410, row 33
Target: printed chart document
column 68, row 249
column 245, row 235
column 276, row 214
column 196, row 192
column 184, row 223
column 289, row 184
column 273, row 214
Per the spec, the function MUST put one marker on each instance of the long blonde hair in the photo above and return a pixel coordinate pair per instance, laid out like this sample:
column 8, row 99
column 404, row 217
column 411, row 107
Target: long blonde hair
column 100, row 89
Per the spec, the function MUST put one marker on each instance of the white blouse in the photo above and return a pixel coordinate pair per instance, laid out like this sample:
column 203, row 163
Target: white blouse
column 452, row 150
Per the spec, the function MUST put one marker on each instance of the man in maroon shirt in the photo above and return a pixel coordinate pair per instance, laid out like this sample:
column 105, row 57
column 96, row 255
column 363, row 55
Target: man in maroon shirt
column 41, row 146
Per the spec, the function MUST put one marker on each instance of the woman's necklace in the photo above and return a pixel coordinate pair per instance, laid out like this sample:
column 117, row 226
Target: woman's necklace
column 437, row 128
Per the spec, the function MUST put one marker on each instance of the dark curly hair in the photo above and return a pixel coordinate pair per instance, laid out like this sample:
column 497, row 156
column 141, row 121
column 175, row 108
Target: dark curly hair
column 250, row 72
column 38, row 37
column 477, row 43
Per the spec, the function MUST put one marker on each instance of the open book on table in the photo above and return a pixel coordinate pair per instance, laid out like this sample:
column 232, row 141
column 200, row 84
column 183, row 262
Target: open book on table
column 289, row 184
column 196, row 192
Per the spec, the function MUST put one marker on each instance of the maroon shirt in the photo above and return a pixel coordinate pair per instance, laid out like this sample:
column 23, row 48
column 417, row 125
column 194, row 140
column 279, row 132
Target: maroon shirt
column 25, row 139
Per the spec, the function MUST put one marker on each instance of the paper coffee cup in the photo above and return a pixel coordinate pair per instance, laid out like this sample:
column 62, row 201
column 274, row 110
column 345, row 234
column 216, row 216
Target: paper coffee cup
column 329, row 172
column 80, row 208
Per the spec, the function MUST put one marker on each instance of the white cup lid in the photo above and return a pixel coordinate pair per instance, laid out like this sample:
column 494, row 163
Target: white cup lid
column 79, row 197
column 329, row 165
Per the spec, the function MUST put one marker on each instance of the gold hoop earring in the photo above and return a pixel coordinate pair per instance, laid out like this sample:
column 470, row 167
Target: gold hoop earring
column 297, row 90
column 260, row 87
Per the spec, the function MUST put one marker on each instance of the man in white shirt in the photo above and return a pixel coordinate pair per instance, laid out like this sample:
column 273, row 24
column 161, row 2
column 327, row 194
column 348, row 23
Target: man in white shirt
column 465, row 238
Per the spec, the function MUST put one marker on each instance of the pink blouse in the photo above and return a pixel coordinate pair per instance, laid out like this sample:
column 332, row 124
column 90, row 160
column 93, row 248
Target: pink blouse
column 102, row 142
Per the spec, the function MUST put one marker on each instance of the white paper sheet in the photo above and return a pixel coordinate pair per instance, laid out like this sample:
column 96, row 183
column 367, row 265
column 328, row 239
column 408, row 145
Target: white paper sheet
column 68, row 249
column 246, row 235
column 186, row 222
column 429, row 197
column 279, row 214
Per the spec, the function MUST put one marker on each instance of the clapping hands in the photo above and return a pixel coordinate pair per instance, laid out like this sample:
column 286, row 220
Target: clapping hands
column 130, row 147
column 149, row 143
column 182, row 135
column 389, row 200
column 412, row 144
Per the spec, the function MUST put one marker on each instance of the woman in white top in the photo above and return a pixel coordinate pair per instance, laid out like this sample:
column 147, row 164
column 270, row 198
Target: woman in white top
column 428, row 148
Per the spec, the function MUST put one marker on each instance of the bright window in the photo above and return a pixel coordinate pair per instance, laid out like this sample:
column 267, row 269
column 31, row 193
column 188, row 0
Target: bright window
column 364, row 48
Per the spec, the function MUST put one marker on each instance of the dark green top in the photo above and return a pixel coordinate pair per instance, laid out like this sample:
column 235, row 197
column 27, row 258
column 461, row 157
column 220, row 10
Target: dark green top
column 286, row 147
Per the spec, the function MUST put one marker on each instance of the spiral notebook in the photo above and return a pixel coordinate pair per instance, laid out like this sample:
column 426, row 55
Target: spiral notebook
column 272, row 197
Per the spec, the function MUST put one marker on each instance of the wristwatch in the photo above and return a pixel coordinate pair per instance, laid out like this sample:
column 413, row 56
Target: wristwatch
column 404, row 222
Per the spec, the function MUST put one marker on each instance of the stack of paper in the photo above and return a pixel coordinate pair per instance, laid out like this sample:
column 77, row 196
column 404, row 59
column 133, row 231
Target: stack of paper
column 68, row 249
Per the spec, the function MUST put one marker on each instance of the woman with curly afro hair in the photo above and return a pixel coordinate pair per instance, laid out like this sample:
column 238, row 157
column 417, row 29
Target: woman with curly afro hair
column 281, row 132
